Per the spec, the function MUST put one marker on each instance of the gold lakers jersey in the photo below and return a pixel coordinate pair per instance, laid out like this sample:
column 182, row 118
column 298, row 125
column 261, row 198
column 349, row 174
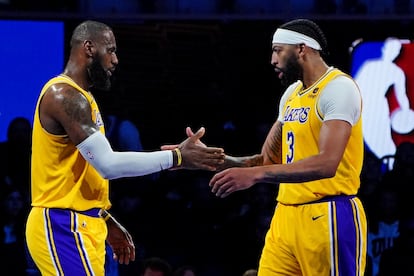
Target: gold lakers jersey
column 61, row 177
column 302, row 121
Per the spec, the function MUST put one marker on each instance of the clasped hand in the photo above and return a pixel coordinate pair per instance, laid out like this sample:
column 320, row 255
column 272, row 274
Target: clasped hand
column 195, row 154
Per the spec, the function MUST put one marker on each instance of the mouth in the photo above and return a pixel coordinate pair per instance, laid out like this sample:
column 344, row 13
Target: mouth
column 279, row 72
column 110, row 72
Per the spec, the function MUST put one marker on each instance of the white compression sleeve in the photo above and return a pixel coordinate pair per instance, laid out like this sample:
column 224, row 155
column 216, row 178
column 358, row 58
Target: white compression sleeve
column 111, row 165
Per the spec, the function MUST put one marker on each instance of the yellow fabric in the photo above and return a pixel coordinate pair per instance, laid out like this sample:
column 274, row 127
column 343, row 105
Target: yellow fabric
column 305, row 239
column 85, row 236
column 301, row 138
column 61, row 178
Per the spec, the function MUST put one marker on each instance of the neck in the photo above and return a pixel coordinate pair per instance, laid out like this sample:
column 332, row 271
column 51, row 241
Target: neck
column 78, row 75
column 313, row 72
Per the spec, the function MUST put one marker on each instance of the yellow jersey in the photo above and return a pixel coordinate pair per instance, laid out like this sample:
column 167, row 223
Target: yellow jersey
column 61, row 177
column 302, row 122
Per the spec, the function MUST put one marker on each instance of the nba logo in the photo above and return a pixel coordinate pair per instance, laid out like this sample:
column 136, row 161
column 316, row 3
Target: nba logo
column 384, row 73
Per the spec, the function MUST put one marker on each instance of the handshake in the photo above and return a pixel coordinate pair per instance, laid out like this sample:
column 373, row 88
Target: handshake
column 195, row 155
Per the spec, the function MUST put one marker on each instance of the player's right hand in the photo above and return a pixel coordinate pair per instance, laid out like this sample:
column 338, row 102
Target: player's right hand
column 196, row 155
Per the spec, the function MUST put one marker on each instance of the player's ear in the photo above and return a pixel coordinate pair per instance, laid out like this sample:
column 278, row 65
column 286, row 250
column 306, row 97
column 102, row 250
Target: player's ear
column 88, row 46
column 302, row 49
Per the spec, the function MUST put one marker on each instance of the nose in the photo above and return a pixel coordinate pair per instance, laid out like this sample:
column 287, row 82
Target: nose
column 115, row 60
column 273, row 59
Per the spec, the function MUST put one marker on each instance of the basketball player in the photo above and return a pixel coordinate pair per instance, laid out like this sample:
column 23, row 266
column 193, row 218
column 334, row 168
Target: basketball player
column 315, row 151
column 72, row 162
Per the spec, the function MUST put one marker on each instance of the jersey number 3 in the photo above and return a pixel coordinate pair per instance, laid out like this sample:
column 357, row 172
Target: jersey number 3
column 290, row 141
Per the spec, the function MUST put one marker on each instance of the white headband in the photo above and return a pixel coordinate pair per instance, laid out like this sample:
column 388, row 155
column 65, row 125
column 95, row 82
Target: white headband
column 291, row 37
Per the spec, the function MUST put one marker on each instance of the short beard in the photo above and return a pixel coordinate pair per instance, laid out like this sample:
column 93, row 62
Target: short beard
column 292, row 72
column 98, row 76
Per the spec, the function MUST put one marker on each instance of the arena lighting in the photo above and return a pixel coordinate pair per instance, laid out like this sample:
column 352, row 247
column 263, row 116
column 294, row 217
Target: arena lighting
column 32, row 52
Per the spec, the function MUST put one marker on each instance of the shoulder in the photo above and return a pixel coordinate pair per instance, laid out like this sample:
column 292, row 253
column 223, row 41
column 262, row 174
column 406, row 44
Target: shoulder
column 341, row 99
column 61, row 106
column 342, row 82
column 292, row 87
column 285, row 96
column 289, row 90
column 64, row 94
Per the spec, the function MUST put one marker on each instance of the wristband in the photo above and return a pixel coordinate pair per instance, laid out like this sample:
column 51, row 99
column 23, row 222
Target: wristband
column 179, row 157
column 105, row 214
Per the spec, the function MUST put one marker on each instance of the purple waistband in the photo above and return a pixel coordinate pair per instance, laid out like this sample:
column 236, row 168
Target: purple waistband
column 94, row 212
column 333, row 198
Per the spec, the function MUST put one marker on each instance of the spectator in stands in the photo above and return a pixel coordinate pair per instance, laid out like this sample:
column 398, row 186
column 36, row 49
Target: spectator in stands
column 398, row 260
column 185, row 270
column 155, row 266
column 14, row 209
column 383, row 222
column 15, row 154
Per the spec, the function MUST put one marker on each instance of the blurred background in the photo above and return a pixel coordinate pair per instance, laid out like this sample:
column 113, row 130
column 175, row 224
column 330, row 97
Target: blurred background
column 197, row 63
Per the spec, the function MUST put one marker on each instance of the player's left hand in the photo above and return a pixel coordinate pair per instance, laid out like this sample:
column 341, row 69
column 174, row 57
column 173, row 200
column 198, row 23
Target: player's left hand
column 121, row 242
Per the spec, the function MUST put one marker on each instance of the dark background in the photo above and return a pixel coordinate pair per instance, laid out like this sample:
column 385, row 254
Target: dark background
column 202, row 69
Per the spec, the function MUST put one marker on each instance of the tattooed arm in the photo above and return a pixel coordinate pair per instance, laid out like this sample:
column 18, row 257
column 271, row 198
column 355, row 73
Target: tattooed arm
column 271, row 152
column 65, row 111
column 272, row 148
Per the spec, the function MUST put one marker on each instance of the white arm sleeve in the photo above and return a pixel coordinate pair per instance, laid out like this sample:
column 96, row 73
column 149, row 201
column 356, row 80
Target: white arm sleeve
column 341, row 100
column 111, row 165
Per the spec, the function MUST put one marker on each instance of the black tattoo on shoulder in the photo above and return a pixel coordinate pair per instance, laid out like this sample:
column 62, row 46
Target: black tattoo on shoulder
column 76, row 105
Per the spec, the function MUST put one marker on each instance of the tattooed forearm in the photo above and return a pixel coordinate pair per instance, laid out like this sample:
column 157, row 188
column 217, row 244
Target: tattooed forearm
column 248, row 161
column 272, row 147
column 308, row 169
column 277, row 177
